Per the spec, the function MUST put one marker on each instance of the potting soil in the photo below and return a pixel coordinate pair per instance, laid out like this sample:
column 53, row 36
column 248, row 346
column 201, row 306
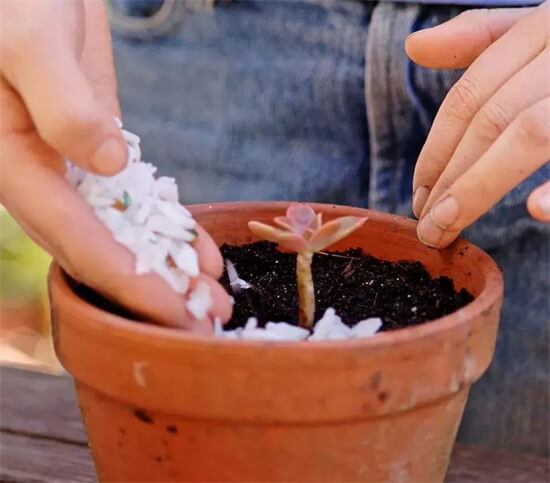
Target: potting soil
column 357, row 285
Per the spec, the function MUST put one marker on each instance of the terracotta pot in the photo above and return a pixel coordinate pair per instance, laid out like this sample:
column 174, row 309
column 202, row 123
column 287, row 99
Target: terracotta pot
column 163, row 405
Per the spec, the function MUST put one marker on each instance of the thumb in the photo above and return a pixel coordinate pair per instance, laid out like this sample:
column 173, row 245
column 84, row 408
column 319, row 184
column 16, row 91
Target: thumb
column 457, row 43
column 64, row 110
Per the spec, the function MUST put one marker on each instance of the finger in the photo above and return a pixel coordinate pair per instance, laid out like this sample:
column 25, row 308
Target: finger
column 210, row 258
column 521, row 149
column 63, row 107
column 96, row 60
column 457, row 43
column 526, row 88
column 527, row 38
column 538, row 202
column 221, row 302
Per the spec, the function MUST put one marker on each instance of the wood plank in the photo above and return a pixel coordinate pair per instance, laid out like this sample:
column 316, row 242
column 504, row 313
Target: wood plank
column 38, row 403
column 471, row 464
column 40, row 412
column 25, row 459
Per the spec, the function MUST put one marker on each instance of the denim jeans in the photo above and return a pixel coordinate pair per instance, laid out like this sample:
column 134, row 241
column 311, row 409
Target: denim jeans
column 311, row 100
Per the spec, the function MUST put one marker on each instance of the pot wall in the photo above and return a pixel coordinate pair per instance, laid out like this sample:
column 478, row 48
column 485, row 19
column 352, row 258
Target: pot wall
column 134, row 445
column 163, row 405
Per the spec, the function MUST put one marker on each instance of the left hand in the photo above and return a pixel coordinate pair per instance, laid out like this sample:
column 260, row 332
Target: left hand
column 493, row 129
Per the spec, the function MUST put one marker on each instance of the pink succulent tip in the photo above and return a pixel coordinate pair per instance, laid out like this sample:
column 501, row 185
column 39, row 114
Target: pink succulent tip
column 300, row 216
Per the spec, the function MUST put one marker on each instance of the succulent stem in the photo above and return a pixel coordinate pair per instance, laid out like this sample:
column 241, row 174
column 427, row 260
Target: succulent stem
column 306, row 292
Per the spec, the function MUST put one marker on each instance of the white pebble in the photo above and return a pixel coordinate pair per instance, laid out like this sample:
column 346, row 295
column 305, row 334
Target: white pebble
column 143, row 212
column 261, row 334
column 175, row 212
column 232, row 334
column 287, row 331
column 367, row 327
column 130, row 137
column 164, row 226
column 200, row 300
column 251, row 324
column 167, row 189
column 237, row 284
column 186, row 258
column 330, row 327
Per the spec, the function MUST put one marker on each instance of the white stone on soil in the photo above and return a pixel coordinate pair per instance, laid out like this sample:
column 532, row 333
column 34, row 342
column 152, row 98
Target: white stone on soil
column 287, row 331
column 367, row 327
column 251, row 324
column 328, row 327
column 237, row 284
column 199, row 302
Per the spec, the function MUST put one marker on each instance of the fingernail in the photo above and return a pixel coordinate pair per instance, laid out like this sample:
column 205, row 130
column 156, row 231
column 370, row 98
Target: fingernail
column 544, row 204
column 432, row 235
column 428, row 232
column 419, row 199
column 110, row 157
column 445, row 212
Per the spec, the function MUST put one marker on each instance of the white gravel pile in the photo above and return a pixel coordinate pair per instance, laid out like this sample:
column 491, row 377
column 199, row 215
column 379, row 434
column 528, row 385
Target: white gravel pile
column 328, row 327
column 144, row 215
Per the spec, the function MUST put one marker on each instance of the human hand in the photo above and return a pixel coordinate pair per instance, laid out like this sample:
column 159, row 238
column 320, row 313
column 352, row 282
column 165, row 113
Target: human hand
column 493, row 129
column 57, row 99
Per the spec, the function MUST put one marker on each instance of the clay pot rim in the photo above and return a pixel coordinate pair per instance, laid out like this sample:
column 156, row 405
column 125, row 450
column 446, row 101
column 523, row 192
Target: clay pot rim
column 96, row 318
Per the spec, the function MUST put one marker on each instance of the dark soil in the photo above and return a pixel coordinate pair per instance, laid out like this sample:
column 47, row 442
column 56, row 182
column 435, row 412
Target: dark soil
column 355, row 284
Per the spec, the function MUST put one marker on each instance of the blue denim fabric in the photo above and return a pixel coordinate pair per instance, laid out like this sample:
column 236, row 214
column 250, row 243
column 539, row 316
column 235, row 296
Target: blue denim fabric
column 244, row 102
column 311, row 100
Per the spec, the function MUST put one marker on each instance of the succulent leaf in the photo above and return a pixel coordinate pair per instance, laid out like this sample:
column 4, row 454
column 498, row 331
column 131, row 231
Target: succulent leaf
column 283, row 222
column 287, row 239
column 334, row 231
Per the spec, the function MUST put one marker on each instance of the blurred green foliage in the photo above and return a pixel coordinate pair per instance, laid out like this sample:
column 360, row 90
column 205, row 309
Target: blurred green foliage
column 23, row 264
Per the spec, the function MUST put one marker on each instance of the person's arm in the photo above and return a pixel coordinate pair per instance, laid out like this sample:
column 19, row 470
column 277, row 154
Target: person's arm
column 493, row 129
column 57, row 101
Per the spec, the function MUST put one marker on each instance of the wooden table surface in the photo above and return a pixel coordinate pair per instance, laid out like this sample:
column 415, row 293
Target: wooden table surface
column 42, row 439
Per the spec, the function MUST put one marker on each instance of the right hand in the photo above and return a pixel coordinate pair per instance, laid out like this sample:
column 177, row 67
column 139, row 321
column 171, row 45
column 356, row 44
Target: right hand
column 57, row 99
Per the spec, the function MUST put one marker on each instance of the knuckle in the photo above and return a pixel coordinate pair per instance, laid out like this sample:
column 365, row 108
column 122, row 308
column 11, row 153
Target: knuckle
column 481, row 21
column 534, row 125
column 491, row 120
column 423, row 177
column 463, row 100
column 444, row 184
column 69, row 125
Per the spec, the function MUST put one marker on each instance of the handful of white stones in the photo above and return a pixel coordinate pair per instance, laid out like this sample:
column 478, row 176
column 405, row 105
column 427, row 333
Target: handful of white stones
column 145, row 215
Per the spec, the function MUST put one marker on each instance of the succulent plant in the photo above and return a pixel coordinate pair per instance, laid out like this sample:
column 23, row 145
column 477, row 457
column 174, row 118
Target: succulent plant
column 302, row 231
